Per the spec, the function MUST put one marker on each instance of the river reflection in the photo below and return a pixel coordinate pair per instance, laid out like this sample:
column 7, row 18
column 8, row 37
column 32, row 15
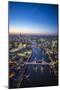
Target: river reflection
column 38, row 75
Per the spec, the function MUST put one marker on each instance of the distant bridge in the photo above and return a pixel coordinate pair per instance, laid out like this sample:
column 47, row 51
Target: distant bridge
column 39, row 63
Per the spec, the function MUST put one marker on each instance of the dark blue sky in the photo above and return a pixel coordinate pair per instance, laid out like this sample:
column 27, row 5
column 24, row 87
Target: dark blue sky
column 33, row 18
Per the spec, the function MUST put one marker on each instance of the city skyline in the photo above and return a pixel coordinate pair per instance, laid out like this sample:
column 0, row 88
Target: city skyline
column 33, row 44
column 31, row 18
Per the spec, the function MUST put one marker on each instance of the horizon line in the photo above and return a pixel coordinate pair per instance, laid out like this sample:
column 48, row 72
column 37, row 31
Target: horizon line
column 55, row 34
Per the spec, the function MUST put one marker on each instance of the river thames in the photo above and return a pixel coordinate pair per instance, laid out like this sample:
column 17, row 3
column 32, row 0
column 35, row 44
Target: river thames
column 38, row 75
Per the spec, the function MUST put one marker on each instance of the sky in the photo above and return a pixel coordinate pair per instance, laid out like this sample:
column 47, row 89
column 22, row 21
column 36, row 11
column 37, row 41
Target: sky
column 33, row 18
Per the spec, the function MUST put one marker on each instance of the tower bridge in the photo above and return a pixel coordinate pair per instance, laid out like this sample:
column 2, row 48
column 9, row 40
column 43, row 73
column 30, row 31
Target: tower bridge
column 39, row 63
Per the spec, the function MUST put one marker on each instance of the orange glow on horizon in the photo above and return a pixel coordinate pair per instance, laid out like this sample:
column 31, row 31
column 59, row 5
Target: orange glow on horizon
column 14, row 33
column 17, row 30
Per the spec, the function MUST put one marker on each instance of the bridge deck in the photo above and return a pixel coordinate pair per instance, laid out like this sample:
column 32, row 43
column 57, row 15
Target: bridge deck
column 34, row 63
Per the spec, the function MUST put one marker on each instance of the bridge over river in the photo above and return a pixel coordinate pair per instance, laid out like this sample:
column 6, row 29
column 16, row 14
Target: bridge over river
column 38, row 63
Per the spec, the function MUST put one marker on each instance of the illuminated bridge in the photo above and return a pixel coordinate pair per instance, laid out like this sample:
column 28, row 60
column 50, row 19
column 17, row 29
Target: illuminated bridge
column 39, row 63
